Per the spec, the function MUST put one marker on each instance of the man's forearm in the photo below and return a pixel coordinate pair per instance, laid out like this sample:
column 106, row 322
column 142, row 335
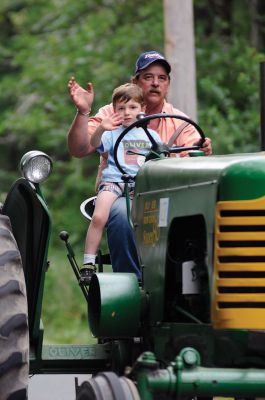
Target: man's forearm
column 79, row 137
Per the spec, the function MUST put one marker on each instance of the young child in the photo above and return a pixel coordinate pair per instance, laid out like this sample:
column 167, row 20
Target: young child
column 127, row 102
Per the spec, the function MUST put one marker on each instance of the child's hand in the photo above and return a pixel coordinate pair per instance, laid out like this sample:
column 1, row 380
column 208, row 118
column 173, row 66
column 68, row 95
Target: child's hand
column 112, row 122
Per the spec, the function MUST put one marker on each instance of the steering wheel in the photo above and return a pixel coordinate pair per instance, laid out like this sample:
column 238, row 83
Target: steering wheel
column 143, row 122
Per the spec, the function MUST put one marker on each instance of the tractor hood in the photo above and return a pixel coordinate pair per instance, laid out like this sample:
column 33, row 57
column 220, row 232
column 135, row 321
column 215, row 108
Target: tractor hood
column 238, row 176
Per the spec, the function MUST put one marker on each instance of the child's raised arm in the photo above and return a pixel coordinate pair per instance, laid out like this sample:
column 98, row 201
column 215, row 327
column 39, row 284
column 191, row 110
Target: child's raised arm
column 107, row 124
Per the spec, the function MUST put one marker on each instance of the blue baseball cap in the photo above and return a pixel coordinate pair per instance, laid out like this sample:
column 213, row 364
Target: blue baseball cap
column 149, row 57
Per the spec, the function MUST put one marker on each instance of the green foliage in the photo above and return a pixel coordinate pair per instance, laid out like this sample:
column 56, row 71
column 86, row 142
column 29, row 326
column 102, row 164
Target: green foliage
column 65, row 315
column 228, row 77
column 228, row 96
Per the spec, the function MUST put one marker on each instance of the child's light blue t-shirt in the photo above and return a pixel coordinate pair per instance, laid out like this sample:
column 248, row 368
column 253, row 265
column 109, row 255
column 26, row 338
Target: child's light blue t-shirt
column 135, row 140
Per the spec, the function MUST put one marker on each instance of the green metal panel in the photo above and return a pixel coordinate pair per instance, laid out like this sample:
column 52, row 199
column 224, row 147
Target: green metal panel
column 114, row 305
column 60, row 358
column 244, row 180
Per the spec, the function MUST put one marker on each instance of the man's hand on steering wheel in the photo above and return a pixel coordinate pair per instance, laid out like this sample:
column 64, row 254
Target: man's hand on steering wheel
column 206, row 146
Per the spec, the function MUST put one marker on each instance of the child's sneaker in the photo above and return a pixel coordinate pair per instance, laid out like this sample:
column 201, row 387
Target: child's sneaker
column 86, row 273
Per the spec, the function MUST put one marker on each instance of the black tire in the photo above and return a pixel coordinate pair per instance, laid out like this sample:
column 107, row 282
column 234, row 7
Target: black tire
column 14, row 336
column 108, row 386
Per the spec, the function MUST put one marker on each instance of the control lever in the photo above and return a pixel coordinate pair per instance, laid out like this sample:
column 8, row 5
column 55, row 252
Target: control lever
column 64, row 236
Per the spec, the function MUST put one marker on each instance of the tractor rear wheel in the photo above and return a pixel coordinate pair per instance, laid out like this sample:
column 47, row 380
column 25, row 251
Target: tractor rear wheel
column 14, row 337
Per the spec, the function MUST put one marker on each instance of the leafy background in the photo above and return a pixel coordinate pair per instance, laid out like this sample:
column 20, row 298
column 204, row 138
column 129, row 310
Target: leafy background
column 44, row 43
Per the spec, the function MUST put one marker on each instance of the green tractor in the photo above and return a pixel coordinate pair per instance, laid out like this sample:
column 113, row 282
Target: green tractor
column 193, row 327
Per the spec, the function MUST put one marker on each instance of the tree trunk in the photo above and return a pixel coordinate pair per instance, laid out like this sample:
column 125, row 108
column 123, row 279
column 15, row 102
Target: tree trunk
column 180, row 52
column 257, row 14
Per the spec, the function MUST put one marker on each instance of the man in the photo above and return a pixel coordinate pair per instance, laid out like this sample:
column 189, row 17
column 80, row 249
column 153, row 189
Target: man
column 152, row 75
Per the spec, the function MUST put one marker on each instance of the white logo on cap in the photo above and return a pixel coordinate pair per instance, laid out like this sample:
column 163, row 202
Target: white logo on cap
column 154, row 55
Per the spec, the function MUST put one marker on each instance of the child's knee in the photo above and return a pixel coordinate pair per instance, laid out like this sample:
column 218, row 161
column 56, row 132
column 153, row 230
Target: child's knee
column 98, row 220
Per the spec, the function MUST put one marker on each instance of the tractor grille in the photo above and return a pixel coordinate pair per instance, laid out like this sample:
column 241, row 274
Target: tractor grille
column 239, row 265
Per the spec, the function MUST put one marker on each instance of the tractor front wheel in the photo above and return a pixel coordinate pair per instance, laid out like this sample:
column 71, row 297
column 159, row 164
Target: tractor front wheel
column 14, row 338
column 108, row 386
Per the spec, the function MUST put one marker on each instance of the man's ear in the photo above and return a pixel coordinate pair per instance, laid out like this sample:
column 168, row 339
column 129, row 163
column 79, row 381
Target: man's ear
column 168, row 85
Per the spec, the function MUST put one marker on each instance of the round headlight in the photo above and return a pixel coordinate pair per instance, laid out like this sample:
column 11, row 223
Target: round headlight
column 36, row 166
